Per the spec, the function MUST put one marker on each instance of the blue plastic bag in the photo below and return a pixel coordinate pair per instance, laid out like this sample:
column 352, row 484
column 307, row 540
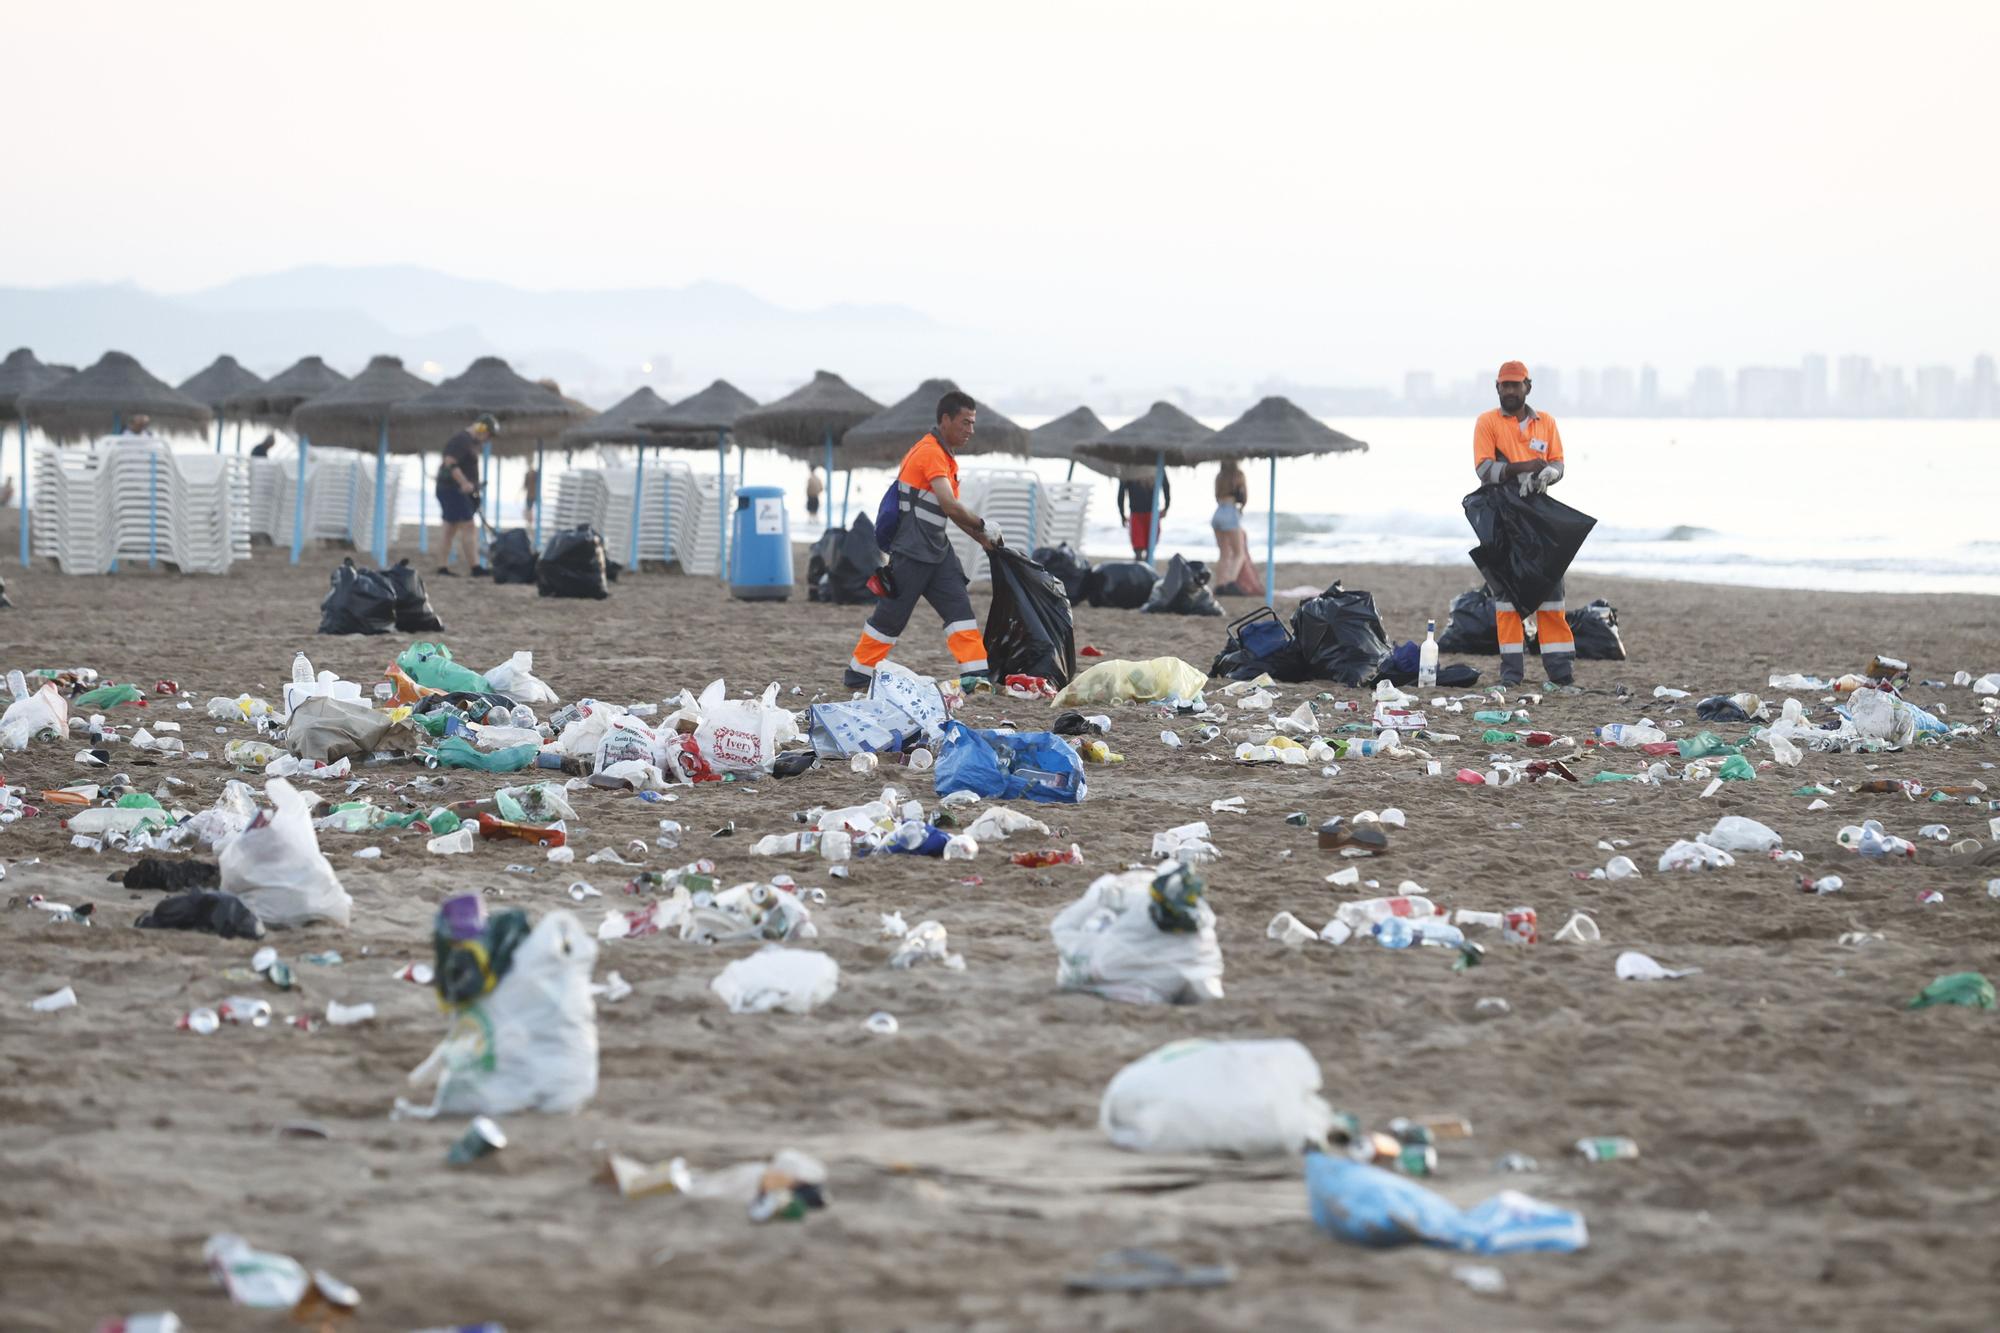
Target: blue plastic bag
column 1005, row 765
column 1365, row 1205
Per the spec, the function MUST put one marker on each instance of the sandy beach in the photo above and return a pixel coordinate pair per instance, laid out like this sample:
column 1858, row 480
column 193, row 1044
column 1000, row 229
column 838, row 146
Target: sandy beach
column 1814, row 1156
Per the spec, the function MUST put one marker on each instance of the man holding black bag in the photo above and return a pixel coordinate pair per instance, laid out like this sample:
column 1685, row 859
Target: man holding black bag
column 1514, row 445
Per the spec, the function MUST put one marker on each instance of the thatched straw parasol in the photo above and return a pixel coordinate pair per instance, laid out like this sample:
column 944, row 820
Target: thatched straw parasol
column 96, row 401
column 22, row 374
column 883, row 439
column 619, row 423
column 1275, row 428
column 1059, row 438
column 272, row 401
column 351, row 414
column 800, row 422
column 693, row 422
column 223, row 380
column 525, row 410
column 1164, row 435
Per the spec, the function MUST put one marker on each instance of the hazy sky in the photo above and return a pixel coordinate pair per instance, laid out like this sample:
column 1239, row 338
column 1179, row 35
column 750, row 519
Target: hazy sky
column 1341, row 190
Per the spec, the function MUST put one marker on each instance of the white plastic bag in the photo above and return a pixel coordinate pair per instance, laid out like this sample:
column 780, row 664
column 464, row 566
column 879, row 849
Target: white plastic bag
column 1734, row 833
column 529, row 1045
column 917, row 696
column 43, row 710
column 516, row 679
column 626, row 738
column 581, row 737
column 277, row 870
column 1879, row 715
column 1685, row 855
column 742, row 735
column 1244, row 1098
column 775, row 977
column 1107, row 944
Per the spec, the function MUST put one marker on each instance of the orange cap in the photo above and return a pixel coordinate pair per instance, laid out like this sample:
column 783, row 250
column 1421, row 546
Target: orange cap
column 1512, row 370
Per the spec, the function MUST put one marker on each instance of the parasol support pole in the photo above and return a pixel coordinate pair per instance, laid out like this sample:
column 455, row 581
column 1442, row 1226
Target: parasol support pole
column 827, row 490
column 499, row 487
column 153, row 511
column 1034, row 506
column 541, row 480
column 1153, row 526
column 24, row 491
column 667, row 555
column 423, row 510
column 485, row 494
column 218, row 432
column 846, row 489
column 299, row 502
column 239, row 437
column 722, row 504
column 1071, row 474
column 353, row 497
column 638, row 498
column 1271, row 540
column 382, row 493
column 742, row 464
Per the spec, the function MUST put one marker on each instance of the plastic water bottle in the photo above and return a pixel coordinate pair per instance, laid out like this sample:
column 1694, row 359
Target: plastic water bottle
column 1427, row 657
column 17, row 685
column 302, row 671
column 1394, row 933
column 524, row 716
column 1630, row 733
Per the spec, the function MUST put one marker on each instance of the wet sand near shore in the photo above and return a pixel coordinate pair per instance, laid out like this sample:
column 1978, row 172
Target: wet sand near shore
column 1814, row 1156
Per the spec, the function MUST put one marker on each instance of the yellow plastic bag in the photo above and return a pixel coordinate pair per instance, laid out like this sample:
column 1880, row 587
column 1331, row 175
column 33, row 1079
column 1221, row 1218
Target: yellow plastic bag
column 1115, row 680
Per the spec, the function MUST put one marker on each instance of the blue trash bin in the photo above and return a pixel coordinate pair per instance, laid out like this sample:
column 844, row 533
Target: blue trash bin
column 760, row 546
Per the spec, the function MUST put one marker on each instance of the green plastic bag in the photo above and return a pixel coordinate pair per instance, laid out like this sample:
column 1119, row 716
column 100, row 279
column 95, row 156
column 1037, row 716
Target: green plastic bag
column 104, row 696
column 537, row 803
column 1967, row 988
column 1490, row 715
column 430, row 664
column 137, row 800
column 1736, row 769
column 1500, row 738
column 1614, row 777
column 1703, row 745
column 458, row 752
column 435, row 721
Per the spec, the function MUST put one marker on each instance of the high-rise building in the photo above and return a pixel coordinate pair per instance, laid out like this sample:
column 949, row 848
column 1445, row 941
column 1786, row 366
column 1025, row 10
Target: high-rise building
column 1985, row 396
column 1649, row 390
column 1618, row 390
column 1587, row 395
column 1816, row 399
column 1889, row 395
column 1853, row 385
column 1769, row 391
column 1709, row 395
column 1937, row 391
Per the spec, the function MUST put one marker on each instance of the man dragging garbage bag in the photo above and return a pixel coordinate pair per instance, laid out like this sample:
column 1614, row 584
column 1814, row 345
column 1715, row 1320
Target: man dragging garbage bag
column 1516, row 446
column 910, row 526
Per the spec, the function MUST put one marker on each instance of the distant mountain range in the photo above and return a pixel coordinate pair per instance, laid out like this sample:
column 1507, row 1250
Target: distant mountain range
column 595, row 343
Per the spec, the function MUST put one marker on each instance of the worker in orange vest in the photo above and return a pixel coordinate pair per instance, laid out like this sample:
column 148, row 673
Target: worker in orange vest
column 1514, row 445
column 922, row 564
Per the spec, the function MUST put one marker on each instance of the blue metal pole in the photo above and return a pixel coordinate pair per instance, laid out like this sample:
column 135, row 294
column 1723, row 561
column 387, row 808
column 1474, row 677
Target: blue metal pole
column 382, row 493
column 218, row 432
column 24, row 492
column 541, row 480
column 353, row 496
column 846, row 489
column 1271, row 540
column 423, row 509
column 667, row 516
column 299, row 503
column 1159, row 485
column 499, row 487
column 638, row 499
column 826, row 495
column 239, row 437
column 153, row 512
column 722, row 504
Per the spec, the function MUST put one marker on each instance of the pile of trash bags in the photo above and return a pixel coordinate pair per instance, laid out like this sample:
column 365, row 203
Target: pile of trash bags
column 841, row 562
column 375, row 601
column 1183, row 591
column 1028, row 628
column 1335, row 636
column 511, row 558
column 1526, row 542
column 1470, row 628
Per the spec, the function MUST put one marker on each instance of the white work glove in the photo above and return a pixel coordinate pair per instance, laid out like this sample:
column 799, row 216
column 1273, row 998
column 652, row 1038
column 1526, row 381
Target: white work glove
column 992, row 532
column 1547, row 477
column 1526, row 483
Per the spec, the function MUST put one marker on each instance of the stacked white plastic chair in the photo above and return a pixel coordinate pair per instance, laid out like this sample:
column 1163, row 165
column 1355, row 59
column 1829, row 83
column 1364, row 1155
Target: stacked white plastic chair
column 1031, row 513
column 702, row 554
column 72, row 511
column 134, row 500
column 581, row 498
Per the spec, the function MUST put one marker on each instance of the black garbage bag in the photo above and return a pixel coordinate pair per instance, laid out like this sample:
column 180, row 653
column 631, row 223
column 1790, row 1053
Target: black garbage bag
column 1183, row 591
column 573, row 565
column 1720, row 708
column 1526, row 543
column 155, row 872
column 1400, row 668
column 1470, row 628
column 414, row 613
column 1067, row 565
column 512, row 557
column 1340, row 636
column 1028, row 629
column 211, row 910
column 841, row 562
column 361, row 601
column 1596, row 629
column 1125, row 584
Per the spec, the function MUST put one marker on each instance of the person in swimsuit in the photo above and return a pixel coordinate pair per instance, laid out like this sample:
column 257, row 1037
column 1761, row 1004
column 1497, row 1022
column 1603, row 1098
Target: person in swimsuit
column 1235, row 571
